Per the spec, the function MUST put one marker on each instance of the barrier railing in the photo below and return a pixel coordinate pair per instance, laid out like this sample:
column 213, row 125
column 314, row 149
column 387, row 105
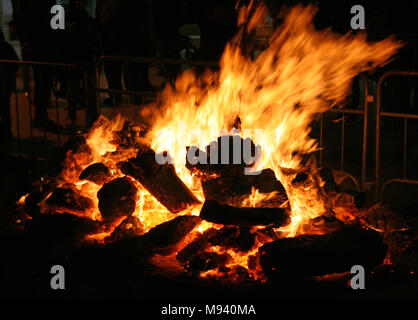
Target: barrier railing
column 24, row 128
column 361, row 185
column 380, row 188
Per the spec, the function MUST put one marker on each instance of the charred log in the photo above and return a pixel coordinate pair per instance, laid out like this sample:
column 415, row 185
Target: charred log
column 228, row 215
column 164, row 238
column 97, row 173
column 117, row 199
column 222, row 151
column 232, row 190
column 69, row 199
column 313, row 255
column 160, row 180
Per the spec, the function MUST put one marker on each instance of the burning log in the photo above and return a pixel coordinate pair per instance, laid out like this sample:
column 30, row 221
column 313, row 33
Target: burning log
column 228, row 215
column 222, row 151
column 117, row 199
column 165, row 238
column 314, row 255
column 232, row 190
column 69, row 199
column 97, row 173
column 160, row 180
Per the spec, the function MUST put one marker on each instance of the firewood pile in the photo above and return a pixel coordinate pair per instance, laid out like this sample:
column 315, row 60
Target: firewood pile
column 223, row 236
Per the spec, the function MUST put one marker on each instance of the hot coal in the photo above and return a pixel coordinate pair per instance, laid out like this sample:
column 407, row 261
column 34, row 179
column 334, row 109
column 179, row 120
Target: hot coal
column 117, row 199
column 207, row 261
column 129, row 228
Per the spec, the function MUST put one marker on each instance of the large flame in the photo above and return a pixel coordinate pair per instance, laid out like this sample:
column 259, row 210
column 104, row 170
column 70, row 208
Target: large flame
column 301, row 73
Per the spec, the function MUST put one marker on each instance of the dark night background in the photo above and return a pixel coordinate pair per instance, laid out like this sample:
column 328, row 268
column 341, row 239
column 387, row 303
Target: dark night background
column 176, row 29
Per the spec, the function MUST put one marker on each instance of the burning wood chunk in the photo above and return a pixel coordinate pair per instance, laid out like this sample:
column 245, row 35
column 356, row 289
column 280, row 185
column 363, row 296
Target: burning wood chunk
column 314, row 255
column 160, row 180
column 232, row 190
column 130, row 228
column 117, row 199
column 97, row 173
column 69, row 199
column 165, row 238
column 60, row 228
column 228, row 215
column 223, row 154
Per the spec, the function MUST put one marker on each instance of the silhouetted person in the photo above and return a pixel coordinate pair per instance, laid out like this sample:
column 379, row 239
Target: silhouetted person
column 34, row 31
column 7, row 86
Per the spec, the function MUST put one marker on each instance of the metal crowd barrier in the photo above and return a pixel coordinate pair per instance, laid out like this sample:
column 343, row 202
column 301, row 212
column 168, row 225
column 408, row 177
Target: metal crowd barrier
column 380, row 187
column 360, row 185
column 24, row 129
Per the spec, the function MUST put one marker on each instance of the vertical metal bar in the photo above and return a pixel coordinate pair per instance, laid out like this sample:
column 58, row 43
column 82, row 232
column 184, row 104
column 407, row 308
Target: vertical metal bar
column 342, row 142
column 405, row 136
column 365, row 133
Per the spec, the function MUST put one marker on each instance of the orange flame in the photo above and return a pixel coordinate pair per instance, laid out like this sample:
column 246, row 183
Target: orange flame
column 301, row 73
